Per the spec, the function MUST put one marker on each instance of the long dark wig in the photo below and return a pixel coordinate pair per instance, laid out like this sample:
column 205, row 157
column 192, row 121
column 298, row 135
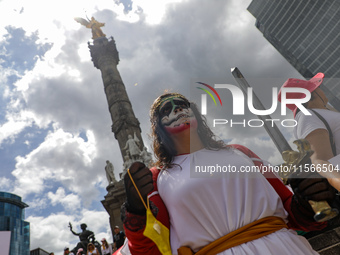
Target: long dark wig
column 163, row 145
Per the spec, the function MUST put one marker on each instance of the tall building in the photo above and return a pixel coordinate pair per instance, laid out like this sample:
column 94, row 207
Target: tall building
column 307, row 34
column 12, row 218
column 39, row 251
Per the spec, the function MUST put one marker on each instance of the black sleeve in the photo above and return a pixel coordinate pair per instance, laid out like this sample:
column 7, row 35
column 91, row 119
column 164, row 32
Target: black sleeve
column 122, row 234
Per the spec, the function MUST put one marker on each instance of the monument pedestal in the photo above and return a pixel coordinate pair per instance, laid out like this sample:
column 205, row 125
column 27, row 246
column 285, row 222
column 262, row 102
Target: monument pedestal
column 112, row 203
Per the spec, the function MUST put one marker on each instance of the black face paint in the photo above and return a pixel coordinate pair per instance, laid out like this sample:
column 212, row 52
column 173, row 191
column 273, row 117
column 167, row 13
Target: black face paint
column 168, row 107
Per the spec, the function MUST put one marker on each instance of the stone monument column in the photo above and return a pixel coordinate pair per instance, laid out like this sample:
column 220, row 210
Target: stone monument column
column 125, row 125
column 124, row 122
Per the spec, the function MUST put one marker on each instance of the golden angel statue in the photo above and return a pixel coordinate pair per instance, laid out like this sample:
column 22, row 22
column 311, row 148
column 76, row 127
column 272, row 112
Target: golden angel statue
column 94, row 25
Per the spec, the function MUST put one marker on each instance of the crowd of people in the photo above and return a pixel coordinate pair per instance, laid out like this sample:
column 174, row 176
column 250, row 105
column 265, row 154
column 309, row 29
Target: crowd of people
column 89, row 246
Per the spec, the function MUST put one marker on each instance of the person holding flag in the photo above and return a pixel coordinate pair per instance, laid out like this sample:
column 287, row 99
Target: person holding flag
column 168, row 211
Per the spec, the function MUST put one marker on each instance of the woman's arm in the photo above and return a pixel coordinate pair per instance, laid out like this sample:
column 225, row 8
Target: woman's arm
column 332, row 175
column 320, row 144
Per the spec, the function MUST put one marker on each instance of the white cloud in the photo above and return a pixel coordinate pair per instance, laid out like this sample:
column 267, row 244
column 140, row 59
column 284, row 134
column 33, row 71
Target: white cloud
column 154, row 10
column 59, row 158
column 5, row 183
column 15, row 123
column 70, row 202
column 52, row 233
column 38, row 204
column 96, row 221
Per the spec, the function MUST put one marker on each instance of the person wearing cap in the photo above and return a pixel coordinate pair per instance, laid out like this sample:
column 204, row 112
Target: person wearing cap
column 67, row 251
column 105, row 247
column 321, row 128
column 199, row 212
column 118, row 238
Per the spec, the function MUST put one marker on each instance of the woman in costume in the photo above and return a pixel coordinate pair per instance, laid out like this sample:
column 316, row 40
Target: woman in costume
column 201, row 209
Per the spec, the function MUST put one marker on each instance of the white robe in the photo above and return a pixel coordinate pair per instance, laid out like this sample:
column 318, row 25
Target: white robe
column 205, row 207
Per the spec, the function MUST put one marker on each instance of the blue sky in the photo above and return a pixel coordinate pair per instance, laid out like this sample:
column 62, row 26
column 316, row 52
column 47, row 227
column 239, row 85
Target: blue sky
column 55, row 128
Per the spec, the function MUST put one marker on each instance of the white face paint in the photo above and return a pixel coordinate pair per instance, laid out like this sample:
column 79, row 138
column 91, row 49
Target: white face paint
column 176, row 115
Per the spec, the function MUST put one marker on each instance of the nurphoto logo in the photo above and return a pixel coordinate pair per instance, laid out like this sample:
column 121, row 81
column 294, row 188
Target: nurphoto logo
column 239, row 103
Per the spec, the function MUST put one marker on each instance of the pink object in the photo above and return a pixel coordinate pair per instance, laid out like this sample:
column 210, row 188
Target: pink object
column 310, row 85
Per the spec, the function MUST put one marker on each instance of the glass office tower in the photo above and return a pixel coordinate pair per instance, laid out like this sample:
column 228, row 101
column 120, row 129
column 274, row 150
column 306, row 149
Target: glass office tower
column 307, row 34
column 12, row 218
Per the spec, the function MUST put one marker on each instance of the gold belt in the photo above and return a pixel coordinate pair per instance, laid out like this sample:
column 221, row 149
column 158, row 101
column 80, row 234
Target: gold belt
column 247, row 233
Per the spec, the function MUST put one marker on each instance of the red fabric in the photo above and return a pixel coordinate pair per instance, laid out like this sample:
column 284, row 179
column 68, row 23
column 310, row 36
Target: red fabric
column 117, row 252
column 138, row 243
column 141, row 245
